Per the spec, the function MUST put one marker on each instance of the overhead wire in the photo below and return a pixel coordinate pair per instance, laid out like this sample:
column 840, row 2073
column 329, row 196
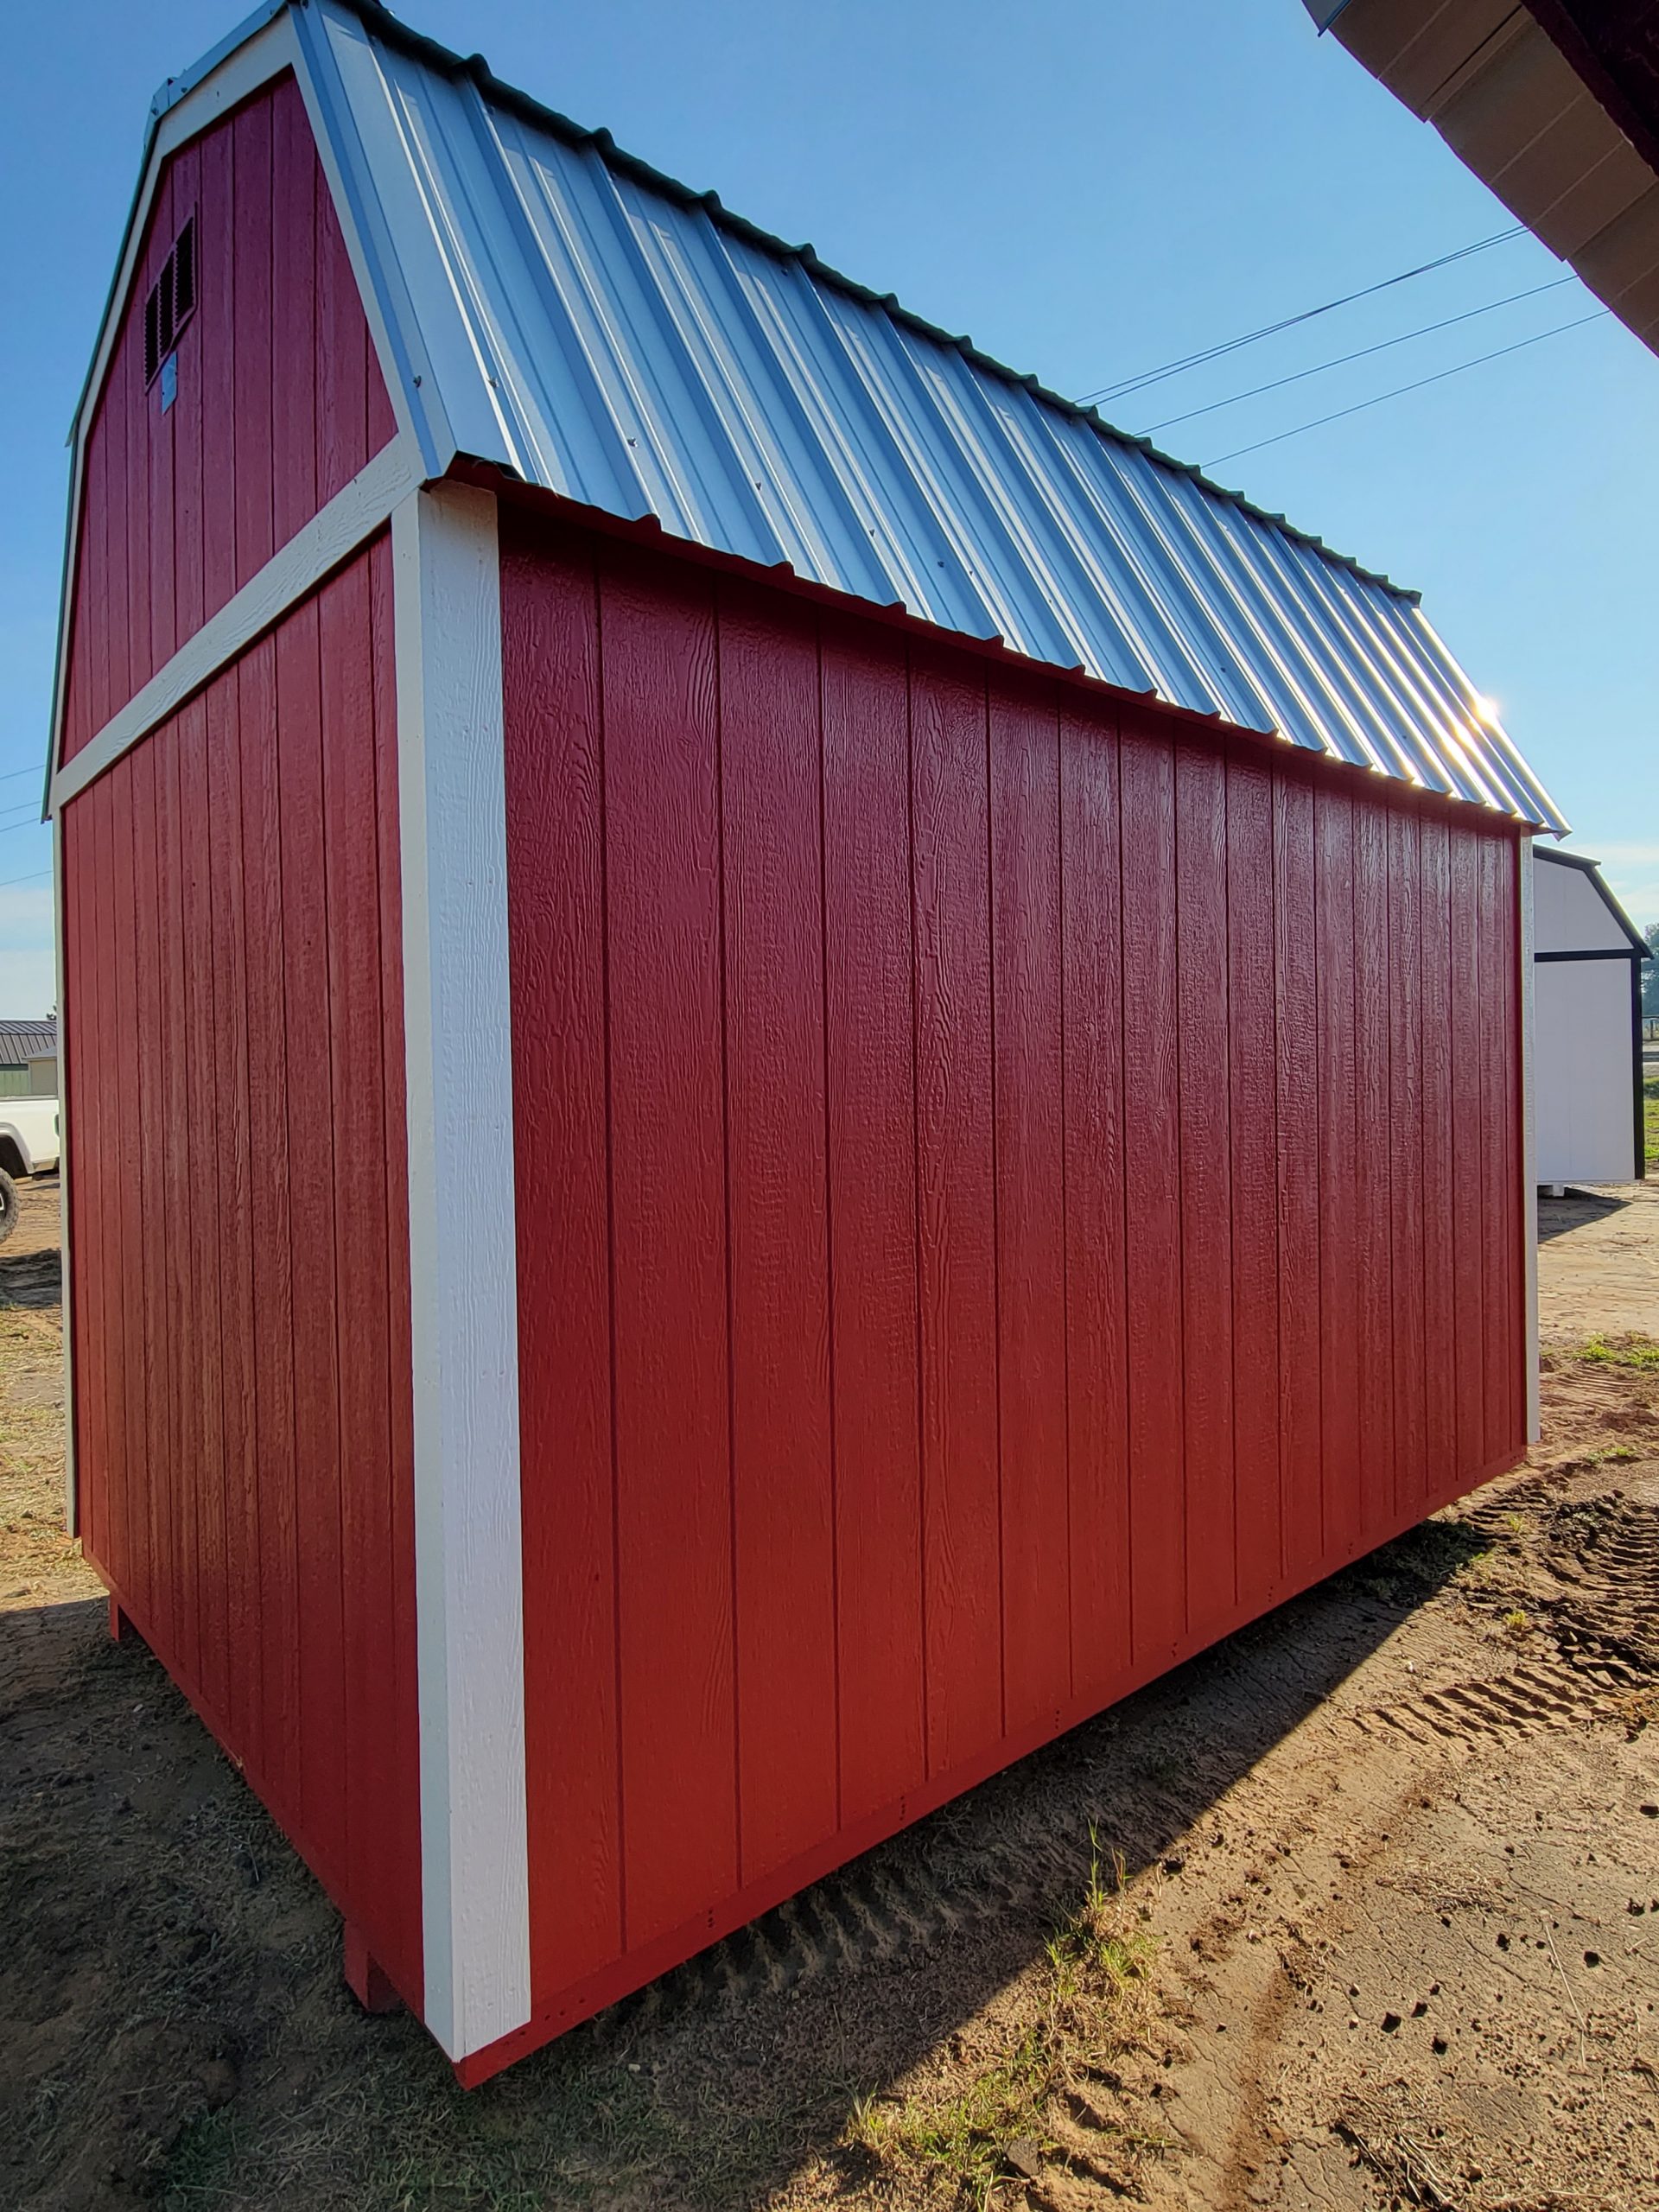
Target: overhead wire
column 12, row 882
column 12, row 774
column 1289, row 322
column 1418, row 384
column 1342, row 359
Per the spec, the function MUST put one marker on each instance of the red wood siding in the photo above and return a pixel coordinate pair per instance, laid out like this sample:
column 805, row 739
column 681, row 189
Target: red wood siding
column 280, row 403
column 239, row 1229
column 988, row 1164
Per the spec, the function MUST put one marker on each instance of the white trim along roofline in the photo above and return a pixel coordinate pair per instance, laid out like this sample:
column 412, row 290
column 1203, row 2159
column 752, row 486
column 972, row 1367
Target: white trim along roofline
column 463, row 1266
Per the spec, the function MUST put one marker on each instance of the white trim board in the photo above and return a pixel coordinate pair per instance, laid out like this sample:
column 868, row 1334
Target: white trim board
column 462, row 1231
column 1529, row 1131
column 353, row 515
column 71, row 1482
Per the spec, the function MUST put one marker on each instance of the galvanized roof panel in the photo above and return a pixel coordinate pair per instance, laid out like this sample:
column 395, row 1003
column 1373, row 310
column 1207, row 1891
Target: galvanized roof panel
column 572, row 316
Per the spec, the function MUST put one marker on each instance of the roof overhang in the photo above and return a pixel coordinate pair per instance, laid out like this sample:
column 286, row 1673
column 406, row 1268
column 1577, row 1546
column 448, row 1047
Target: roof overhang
column 1506, row 98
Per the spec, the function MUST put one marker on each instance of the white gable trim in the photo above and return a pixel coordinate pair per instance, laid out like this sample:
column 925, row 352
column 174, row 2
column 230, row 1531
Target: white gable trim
column 463, row 1268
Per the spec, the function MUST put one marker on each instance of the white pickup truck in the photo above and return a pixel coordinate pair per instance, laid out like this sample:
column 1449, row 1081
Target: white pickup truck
column 29, row 1146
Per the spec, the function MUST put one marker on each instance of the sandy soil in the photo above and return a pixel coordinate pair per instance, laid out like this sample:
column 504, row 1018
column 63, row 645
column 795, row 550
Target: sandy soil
column 1373, row 1920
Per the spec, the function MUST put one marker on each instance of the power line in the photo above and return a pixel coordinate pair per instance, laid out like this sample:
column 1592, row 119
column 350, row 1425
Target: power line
column 1290, row 321
column 1440, row 376
column 12, row 774
column 6, row 829
column 1342, row 359
column 12, row 883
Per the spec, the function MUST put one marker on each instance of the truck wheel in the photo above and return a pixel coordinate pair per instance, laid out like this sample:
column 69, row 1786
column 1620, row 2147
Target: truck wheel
column 7, row 1205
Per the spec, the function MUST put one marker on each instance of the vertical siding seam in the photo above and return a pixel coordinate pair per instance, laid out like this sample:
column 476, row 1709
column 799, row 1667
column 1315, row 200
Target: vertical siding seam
column 1060, row 911
column 1320, row 1048
column 1123, row 1188
column 216, row 1320
column 916, row 1189
column 1274, row 888
column 602, row 736
column 828, row 1218
column 345, row 1846
column 1179, row 1134
column 726, row 1212
column 1226, row 1095
column 996, row 1207
column 1388, row 905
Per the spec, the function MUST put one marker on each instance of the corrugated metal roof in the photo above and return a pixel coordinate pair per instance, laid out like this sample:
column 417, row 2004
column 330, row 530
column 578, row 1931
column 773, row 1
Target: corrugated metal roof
column 24, row 1040
column 561, row 309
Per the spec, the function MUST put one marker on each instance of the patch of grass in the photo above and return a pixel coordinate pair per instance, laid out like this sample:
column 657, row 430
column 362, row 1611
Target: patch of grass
column 198, row 2166
column 1517, row 1626
column 1095, row 2002
column 1650, row 1117
column 1624, row 1351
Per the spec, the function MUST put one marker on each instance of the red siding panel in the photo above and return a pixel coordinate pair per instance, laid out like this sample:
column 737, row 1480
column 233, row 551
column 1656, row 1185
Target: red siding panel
column 783, row 1501
column 1206, row 1181
column 230, row 961
column 556, row 883
column 280, row 402
column 1342, row 1493
column 1406, row 1154
column 871, row 1201
column 1438, row 1163
column 1158, row 1530
column 1253, row 1142
column 1296, row 956
column 268, row 1113
column 1030, row 1204
column 1092, row 1127
column 674, row 1499
column 956, row 1215
column 1373, row 1300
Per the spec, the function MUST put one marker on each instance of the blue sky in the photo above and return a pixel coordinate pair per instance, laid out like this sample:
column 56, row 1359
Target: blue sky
column 1090, row 191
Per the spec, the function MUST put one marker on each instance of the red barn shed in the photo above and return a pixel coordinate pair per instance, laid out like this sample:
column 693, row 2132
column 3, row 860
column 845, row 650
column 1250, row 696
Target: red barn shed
column 779, row 1062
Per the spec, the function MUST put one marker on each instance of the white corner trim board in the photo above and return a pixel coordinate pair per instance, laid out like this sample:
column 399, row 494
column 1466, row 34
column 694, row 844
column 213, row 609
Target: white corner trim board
column 71, row 1486
column 355, row 513
column 468, row 1552
column 1530, row 1132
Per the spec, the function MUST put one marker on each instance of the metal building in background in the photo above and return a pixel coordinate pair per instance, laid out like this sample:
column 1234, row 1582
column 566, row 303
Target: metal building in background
column 1587, row 956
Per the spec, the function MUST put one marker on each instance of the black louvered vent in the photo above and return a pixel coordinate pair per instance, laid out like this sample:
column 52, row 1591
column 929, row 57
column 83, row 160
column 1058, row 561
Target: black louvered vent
column 171, row 299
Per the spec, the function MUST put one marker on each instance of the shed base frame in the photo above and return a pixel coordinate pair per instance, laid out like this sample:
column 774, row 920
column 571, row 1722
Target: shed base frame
column 583, row 1999
column 366, row 1977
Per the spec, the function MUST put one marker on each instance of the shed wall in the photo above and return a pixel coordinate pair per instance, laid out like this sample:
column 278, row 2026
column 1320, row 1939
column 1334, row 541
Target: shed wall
column 239, row 1229
column 280, row 403
column 1008, row 1187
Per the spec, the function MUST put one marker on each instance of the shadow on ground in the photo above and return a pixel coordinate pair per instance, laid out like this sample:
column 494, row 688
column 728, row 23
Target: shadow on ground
column 1556, row 1217
column 176, row 2031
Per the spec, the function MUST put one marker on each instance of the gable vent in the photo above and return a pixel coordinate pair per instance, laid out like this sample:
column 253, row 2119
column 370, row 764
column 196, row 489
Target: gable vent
column 171, row 299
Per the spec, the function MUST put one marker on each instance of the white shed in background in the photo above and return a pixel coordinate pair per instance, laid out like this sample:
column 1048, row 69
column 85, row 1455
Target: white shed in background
column 1587, row 1015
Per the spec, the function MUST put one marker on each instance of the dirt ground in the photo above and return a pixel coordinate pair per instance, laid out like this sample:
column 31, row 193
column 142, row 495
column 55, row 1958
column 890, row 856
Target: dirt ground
column 1359, row 1909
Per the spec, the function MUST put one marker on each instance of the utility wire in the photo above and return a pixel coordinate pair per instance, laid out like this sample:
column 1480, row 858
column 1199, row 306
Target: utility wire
column 12, row 774
column 1440, row 376
column 12, row 882
column 1290, row 321
column 1342, row 359
column 8, row 827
